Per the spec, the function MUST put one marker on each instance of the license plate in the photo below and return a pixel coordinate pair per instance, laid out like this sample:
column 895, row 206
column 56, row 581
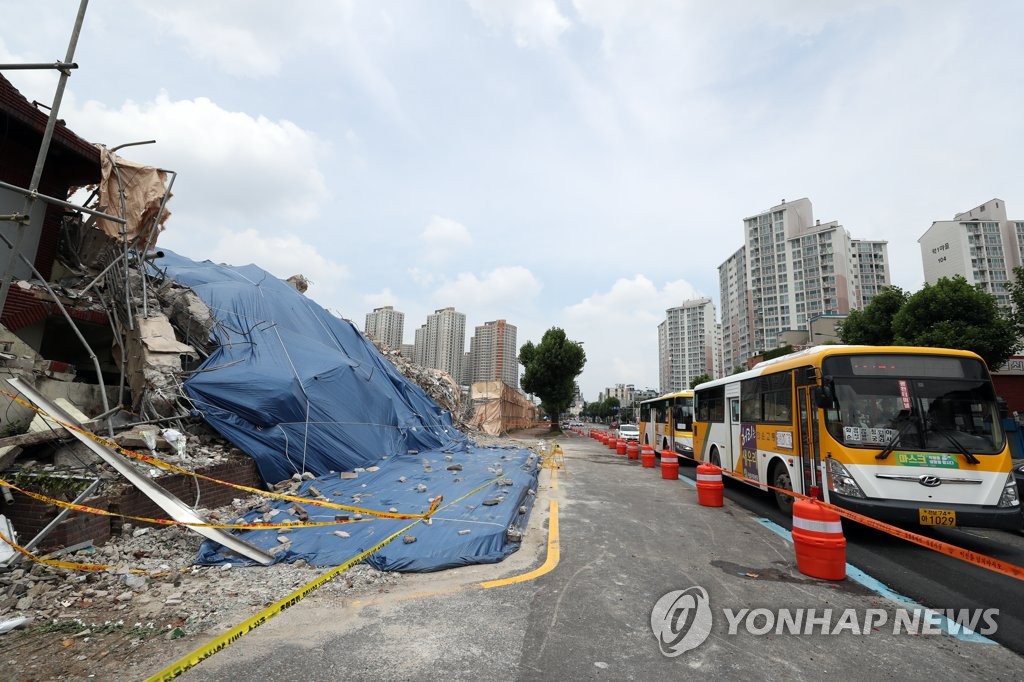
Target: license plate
column 936, row 517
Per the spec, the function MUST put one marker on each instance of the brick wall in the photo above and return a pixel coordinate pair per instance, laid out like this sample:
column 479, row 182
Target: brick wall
column 29, row 516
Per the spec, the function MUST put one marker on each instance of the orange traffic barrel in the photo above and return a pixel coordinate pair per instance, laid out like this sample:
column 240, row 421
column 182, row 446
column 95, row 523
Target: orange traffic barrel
column 647, row 459
column 633, row 450
column 647, row 448
column 669, row 466
column 818, row 540
column 710, row 488
column 620, row 446
column 613, row 442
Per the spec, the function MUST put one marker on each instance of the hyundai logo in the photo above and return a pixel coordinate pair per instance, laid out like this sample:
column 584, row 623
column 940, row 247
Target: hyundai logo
column 930, row 481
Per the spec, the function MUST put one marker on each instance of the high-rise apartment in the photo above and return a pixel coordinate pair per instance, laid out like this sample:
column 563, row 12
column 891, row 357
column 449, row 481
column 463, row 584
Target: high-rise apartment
column 441, row 342
column 686, row 345
column 981, row 245
column 493, row 353
column 791, row 269
column 386, row 325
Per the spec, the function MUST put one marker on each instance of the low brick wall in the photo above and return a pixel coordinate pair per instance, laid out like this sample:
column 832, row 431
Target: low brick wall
column 29, row 516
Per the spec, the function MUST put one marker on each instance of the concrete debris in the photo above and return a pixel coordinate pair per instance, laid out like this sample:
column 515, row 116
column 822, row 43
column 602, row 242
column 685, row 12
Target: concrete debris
column 490, row 502
column 348, row 475
column 408, row 539
column 420, row 488
column 437, row 384
column 300, row 283
column 342, row 534
column 454, row 467
column 464, row 532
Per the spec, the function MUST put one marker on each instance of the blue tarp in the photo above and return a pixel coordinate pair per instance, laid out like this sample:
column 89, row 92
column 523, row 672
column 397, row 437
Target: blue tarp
column 301, row 390
column 462, row 531
column 296, row 387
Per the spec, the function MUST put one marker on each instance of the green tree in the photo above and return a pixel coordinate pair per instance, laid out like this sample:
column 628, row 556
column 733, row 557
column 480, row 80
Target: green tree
column 953, row 314
column 872, row 326
column 1016, row 289
column 551, row 370
column 700, row 379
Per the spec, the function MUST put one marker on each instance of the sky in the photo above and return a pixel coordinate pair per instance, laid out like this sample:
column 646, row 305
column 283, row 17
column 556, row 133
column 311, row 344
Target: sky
column 582, row 164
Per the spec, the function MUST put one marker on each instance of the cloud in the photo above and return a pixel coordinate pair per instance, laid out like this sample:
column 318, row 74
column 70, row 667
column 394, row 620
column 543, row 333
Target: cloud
column 619, row 328
column 282, row 255
column 235, row 170
column 443, row 238
column 382, row 298
column 533, row 23
column 502, row 288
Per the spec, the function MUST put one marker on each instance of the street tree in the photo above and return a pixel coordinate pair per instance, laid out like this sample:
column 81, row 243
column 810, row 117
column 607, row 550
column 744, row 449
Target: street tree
column 700, row 379
column 551, row 370
column 872, row 326
column 953, row 314
column 1016, row 289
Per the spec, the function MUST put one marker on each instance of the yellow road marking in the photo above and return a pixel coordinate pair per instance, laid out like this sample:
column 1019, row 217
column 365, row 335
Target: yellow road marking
column 549, row 563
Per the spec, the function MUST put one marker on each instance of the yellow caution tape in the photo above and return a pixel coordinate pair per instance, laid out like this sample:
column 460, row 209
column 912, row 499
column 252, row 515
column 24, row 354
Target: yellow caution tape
column 169, row 522
column 237, row 486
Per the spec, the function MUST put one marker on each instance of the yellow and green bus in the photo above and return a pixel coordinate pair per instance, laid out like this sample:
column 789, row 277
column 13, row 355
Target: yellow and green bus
column 666, row 422
column 902, row 434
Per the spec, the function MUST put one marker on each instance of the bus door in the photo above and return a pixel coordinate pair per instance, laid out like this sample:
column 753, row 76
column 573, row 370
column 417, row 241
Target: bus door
column 732, row 417
column 807, row 437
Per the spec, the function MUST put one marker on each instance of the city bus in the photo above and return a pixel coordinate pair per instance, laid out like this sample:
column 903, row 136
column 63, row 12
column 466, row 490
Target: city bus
column 666, row 422
column 903, row 434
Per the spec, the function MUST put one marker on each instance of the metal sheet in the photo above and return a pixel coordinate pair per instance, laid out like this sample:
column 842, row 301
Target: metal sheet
column 174, row 507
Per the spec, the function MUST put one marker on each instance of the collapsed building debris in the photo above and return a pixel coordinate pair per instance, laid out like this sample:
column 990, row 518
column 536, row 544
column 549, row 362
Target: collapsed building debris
column 153, row 353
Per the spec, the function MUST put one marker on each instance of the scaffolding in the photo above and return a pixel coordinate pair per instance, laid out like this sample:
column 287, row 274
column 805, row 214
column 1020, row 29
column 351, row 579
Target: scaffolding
column 109, row 208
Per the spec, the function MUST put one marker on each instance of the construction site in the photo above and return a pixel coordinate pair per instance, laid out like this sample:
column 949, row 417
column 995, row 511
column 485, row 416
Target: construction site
column 184, row 442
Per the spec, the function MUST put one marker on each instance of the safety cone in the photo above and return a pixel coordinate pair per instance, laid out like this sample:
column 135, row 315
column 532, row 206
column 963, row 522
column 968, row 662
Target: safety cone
column 819, row 541
column 710, row 489
column 669, row 466
column 633, row 450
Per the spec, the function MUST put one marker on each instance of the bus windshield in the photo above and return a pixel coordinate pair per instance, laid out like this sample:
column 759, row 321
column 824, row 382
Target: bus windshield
column 932, row 414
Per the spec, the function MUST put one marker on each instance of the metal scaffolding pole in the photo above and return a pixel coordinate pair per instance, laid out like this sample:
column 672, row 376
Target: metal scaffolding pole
column 44, row 149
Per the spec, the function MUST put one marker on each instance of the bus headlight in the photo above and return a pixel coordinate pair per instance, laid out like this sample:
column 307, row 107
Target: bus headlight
column 1009, row 497
column 840, row 480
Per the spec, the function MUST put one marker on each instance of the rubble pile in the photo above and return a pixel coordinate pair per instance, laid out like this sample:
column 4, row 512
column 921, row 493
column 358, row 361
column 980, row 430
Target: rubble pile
column 438, row 384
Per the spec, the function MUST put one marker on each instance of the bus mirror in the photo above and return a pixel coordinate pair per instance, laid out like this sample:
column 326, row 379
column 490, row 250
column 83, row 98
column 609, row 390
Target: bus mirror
column 823, row 396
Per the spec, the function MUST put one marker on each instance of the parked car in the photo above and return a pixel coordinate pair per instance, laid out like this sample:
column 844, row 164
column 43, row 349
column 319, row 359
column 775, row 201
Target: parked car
column 629, row 432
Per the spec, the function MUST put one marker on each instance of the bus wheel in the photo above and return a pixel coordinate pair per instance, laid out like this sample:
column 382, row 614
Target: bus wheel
column 715, row 458
column 781, row 479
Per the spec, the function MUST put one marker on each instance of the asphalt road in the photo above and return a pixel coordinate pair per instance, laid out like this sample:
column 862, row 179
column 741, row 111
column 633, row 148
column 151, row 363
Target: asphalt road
column 626, row 539
column 926, row 576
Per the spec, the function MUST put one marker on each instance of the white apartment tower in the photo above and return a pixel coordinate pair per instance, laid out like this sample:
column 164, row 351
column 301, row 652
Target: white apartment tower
column 493, row 353
column 686, row 345
column 981, row 244
column 440, row 343
column 386, row 325
column 791, row 269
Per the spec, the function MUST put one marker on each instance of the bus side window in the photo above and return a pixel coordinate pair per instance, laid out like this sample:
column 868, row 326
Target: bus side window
column 734, row 406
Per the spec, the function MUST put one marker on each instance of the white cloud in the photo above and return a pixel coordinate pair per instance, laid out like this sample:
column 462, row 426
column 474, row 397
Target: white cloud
column 282, row 255
column 532, row 22
column 619, row 328
column 502, row 288
column 382, row 298
column 234, row 170
column 443, row 238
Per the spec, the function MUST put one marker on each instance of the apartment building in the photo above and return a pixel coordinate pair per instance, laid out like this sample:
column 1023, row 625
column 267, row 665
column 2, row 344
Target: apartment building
column 791, row 269
column 386, row 325
column 687, row 345
column 441, row 342
column 493, row 354
column 981, row 245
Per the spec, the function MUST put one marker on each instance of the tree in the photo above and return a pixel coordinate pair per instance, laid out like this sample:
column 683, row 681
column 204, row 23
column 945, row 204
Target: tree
column 1016, row 289
column 700, row 379
column 953, row 314
column 551, row 370
column 872, row 326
